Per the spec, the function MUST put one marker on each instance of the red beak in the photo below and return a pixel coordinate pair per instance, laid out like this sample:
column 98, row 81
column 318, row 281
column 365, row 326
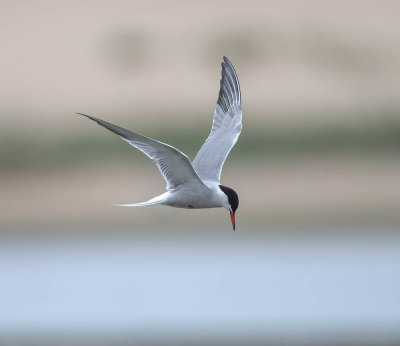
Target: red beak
column 232, row 219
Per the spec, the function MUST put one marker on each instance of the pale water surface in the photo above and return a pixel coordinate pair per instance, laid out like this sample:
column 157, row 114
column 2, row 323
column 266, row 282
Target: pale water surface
column 242, row 284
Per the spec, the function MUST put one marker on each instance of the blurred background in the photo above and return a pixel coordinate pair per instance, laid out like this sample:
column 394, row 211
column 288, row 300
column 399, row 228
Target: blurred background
column 315, row 259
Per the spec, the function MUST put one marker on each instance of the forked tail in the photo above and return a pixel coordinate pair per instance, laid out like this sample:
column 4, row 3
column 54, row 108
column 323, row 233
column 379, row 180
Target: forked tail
column 155, row 200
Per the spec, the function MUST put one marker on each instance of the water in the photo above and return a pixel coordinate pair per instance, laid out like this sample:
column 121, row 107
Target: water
column 236, row 283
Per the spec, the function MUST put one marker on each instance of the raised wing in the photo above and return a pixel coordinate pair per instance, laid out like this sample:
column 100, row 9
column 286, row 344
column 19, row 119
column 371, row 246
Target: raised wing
column 172, row 163
column 226, row 127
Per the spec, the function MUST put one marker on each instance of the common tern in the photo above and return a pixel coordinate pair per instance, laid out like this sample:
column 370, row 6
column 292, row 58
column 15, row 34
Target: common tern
column 196, row 185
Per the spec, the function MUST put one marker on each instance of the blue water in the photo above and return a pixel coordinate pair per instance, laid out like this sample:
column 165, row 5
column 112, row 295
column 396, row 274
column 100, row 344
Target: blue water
column 234, row 282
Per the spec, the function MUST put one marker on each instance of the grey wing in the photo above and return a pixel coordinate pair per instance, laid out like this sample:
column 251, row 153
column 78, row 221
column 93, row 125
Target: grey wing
column 226, row 127
column 172, row 163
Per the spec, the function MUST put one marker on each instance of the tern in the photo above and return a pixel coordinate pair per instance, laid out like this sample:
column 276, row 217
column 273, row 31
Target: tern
column 196, row 185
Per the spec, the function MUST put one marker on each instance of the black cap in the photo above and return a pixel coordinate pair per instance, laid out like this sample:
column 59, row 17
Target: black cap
column 233, row 198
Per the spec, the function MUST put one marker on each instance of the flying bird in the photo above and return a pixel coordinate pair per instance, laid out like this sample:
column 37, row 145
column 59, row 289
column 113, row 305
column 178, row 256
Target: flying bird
column 196, row 185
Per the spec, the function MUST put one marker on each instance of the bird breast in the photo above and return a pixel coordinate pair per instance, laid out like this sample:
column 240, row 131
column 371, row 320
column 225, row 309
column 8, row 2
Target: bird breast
column 194, row 200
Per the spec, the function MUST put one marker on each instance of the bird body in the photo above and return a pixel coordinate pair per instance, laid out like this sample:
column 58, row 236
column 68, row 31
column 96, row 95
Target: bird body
column 193, row 197
column 195, row 185
column 204, row 197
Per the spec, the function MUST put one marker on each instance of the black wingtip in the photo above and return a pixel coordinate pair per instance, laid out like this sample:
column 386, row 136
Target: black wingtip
column 226, row 60
column 85, row 115
column 99, row 121
column 229, row 92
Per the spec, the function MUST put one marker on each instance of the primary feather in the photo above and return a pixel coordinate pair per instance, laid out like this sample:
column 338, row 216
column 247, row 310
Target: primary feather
column 226, row 127
column 172, row 163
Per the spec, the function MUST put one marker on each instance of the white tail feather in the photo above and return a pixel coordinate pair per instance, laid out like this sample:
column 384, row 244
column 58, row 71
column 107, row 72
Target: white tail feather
column 155, row 200
column 143, row 204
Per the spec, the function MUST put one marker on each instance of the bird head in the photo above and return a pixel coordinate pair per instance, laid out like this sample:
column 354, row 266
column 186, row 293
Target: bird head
column 233, row 202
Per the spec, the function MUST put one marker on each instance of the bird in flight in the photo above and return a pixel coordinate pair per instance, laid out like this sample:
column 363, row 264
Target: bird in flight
column 196, row 185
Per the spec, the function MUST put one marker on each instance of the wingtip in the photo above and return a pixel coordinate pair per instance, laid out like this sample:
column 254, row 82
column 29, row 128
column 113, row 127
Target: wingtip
column 85, row 115
column 229, row 86
column 227, row 61
column 90, row 117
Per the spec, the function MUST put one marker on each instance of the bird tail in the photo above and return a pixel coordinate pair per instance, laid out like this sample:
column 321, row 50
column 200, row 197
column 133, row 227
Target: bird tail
column 143, row 204
column 153, row 201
